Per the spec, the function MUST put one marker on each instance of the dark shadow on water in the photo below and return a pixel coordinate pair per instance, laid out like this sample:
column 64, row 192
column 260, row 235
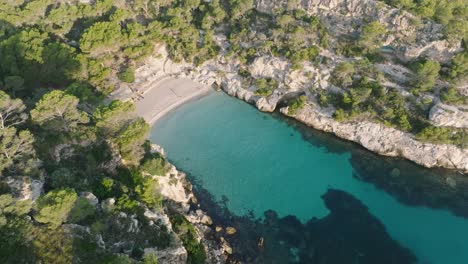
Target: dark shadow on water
column 408, row 182
column 349, row 234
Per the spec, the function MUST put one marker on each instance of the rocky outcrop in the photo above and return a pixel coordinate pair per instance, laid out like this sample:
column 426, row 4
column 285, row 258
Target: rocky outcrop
column 24, row 188
column 385, row 140
column 177, row 192
column 92, row 199
column 173, row 187
column 407, row 38
column 175, row 253
column 449, row 115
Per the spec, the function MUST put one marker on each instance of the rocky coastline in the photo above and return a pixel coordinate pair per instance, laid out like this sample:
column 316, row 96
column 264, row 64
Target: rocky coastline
column 372, row 136
column 225, row 73
column 180, row 198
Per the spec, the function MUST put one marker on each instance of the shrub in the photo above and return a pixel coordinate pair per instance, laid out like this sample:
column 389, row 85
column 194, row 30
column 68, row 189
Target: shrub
column 82, row 210
column 265, row 86
column 372, row 36
column 343, row 73
column 127, row 75
column 453, row 96
column 155, row 166
column 426, row 74
column 443, row 135
column 186, row 232
column 54, row 207
column 148, row 192
column 296, row 104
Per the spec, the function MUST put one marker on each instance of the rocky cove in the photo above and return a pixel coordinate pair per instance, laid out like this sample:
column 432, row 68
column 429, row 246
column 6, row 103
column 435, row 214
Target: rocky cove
column 406, row 42
column 352, row 146
column 373, row 136
column 294, row 194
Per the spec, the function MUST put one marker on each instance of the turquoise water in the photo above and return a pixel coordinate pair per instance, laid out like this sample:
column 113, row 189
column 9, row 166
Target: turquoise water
column 259, row 162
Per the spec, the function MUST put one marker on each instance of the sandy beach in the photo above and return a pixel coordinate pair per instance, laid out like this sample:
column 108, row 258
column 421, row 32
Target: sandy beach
column 168, row 95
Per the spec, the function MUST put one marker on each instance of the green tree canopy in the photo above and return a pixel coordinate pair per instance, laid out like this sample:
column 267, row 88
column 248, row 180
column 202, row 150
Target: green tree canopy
column 37, row 59
column 426, row 74
column 372, row 36
column 16, row 150
column 11, row 111
column 102, row 37
column 58, row 111
column 130, row 140
column 111, row 118
column 343, row 73
column 459, row 68
column 238, row 8
column 81, row 210
column 54, row 207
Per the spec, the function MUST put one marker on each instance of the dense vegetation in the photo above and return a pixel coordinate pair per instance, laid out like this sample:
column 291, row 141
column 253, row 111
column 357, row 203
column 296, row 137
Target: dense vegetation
column 59, row 59
column 450, row 13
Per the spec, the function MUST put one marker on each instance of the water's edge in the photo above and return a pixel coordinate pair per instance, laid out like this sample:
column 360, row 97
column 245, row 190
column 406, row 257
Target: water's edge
column 431, row 188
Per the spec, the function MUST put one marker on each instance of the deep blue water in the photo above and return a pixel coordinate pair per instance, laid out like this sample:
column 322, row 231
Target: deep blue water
column 260, row 162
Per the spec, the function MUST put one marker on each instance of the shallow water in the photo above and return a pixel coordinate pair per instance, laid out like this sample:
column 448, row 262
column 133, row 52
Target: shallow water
column 259, row 162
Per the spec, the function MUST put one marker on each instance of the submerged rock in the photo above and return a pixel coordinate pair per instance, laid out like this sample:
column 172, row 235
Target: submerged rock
column 230, row 230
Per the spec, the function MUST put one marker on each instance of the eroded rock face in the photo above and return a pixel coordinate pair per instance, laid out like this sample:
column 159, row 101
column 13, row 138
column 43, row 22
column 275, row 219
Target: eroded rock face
column 449, row 115
column 177, row 192
column 171, row 186
column 175, row 253
column 269, row 67
column 24, row 188
column 386, row 141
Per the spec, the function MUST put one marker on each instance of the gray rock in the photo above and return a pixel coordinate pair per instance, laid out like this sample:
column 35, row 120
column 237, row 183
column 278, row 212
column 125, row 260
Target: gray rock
column 386, row 141
column 108, row 205
column 90, row 197
column 448, row 116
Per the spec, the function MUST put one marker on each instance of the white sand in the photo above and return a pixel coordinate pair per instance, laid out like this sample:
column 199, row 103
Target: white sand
column 168, row 95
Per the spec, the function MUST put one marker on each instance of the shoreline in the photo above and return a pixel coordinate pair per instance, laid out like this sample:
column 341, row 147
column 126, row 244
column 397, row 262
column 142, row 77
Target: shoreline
column 374, row 137
column 170, row 93
column 167, row 95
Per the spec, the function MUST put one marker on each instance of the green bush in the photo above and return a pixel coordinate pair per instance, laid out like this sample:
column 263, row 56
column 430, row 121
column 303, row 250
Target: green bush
column 148, row 192
column 426, row 74
column 372, row 36
column 453, row 96
column 187, row 233
column 127, row 75
column 296, row 104
column 444, row 135
column 265, row 86
column 81, row 210
column 54, row 207
column 155, row 166
column 343, row 74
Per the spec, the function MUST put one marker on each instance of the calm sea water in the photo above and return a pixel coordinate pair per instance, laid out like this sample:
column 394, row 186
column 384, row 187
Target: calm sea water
column 259, row 162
